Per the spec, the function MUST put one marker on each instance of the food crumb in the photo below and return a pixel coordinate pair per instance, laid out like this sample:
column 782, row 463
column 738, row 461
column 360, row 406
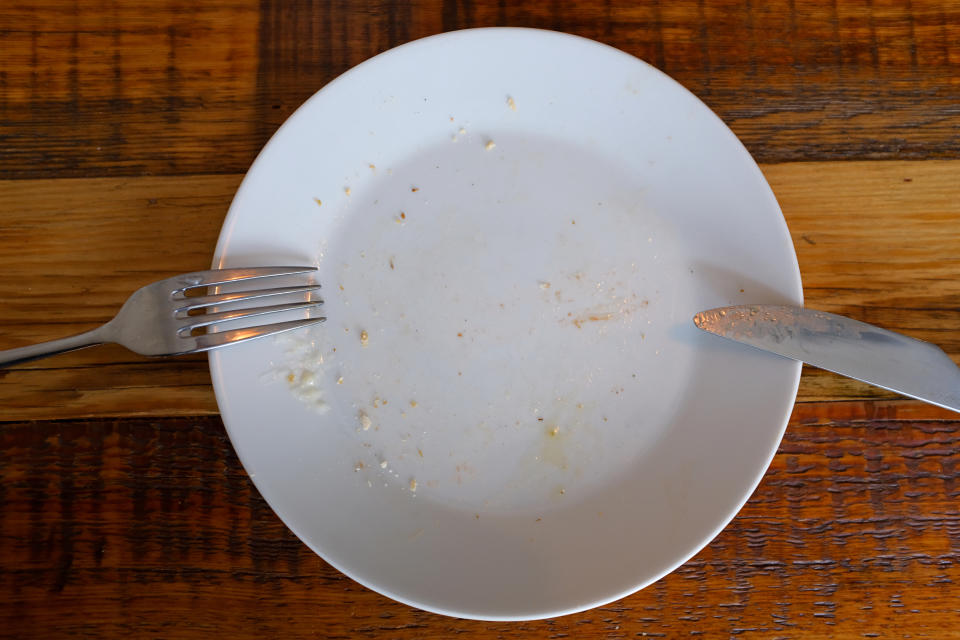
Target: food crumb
column 511, row 103
column 341, row 287
column 383, row 464
column 420, row 453
column 318, row 201
column 340, row 380
column 365, row 421
column 462, row 131
column 573, row 222
column 372, row 166
column 291, row 377
column 413, row 484
column 554, row 431
column 403, row 216
column 544, row 285
column 490, row 145
column 476, row 516
column 391, row 263
column 376, row 403
column 358, row 466
column 579, row 405
column 346, row 190
column 538, row 519
column 562, row 491
column 459, row 335
column 539, row 419
column 414, row 189
column 364, row 338
column 413, row 403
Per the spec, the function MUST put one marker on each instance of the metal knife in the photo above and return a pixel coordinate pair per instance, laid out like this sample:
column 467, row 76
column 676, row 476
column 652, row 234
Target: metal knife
column 849, row 347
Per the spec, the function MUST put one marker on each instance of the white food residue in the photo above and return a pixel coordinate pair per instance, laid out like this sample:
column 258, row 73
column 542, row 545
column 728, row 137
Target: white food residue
column 365, row 421
column 303, row 371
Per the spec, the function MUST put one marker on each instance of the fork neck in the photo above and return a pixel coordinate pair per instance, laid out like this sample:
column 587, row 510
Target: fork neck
column 54, row 347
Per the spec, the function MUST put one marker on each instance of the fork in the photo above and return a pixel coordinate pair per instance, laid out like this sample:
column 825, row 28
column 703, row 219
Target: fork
column 162, row 319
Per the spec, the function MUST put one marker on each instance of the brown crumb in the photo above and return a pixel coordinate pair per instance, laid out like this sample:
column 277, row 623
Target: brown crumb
column 553, row 431
column 341, row 287
column 414, row 189
column 538, row 519
column 291, row 377
column 372, row 166
column 413, row 403
column 358, row 466
column 318, row 201
column 573, row 222
column 420, row 453
column 459, row 335
column 364, row 338
column 562, row 491
column 347, row 190
column 403, row 216
column 391, row 263
column 413, row 484
column 477, row 516
column 539, row 419
column 741, row 290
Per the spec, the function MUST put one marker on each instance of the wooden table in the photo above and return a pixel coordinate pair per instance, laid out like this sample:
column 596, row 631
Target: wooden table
column 126, row 127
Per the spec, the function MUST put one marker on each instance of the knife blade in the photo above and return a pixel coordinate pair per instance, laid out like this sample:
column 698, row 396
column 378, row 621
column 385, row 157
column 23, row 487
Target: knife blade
column 887, row 359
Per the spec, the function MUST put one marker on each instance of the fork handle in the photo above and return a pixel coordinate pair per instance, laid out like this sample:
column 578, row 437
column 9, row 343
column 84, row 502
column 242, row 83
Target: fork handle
column 54, row 347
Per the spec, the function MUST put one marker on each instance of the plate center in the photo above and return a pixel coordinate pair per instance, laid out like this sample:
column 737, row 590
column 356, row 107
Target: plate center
column 502, row 313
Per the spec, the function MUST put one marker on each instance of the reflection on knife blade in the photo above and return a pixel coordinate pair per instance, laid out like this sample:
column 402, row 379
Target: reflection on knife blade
column 849, row 347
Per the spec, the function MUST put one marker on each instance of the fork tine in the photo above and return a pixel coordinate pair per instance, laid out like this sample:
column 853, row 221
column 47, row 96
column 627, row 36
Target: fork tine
column 224, row 338
column 196, row 322
column 198, row 302
column 223, row 276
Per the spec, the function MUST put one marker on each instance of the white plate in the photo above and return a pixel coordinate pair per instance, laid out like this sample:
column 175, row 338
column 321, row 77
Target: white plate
column 574, row 437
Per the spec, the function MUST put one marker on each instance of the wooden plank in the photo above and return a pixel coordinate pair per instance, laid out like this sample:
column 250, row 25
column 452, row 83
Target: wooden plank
column 93, row 242
column 874, row 241
column 150, row 527
column 114, row 88
column 168, row 87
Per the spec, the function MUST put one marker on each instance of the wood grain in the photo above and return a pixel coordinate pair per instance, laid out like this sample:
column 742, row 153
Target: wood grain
column 873, row 239
column 169, row 88
column 90, row 243
column 115, row 528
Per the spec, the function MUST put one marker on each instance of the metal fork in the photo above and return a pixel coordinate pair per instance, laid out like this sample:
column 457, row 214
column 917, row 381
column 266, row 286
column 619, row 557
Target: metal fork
column 161, row 319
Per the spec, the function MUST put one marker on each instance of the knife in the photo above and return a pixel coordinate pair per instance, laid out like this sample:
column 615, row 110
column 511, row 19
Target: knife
column 849, row 347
